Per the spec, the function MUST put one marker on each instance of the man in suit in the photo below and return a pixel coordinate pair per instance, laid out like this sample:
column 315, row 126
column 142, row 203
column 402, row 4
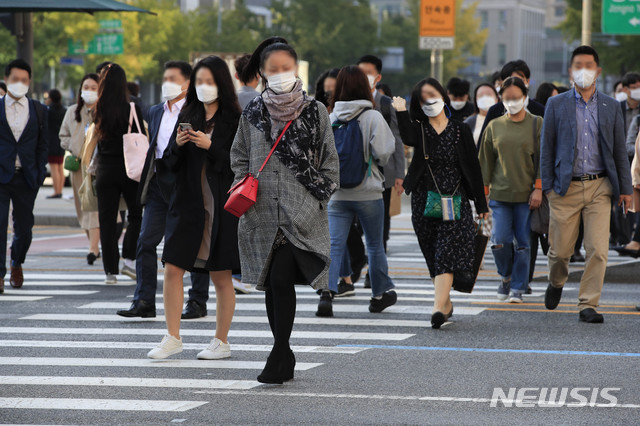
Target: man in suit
column 23, row 156
column 247, row 91
column 156, row 185
column 584, row 169
column 521, row 70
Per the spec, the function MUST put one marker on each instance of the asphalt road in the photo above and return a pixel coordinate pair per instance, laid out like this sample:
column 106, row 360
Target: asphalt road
column 66, row 358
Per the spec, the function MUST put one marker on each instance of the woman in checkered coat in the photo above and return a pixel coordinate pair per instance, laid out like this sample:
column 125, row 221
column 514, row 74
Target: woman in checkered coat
column 284, row 238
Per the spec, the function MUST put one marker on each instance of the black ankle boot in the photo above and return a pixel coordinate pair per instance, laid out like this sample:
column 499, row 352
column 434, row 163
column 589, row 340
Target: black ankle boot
column 287, row 366
column 272, row 372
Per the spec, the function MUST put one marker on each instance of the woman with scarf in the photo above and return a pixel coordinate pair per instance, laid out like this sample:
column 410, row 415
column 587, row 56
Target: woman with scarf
column 284, row 237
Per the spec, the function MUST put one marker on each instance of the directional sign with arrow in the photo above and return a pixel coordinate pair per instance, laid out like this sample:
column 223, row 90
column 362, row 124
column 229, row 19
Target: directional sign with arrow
column 620, row 17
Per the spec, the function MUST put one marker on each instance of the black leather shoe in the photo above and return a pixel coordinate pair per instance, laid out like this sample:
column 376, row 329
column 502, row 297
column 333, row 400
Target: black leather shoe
column 139, row 308
column 92, row 257
column 437, row 319
column 552, row 297
column 577, row 257
column 325, row 306
column 590, row 315
column 194, row 310
column 272, row 372
column 378, row 305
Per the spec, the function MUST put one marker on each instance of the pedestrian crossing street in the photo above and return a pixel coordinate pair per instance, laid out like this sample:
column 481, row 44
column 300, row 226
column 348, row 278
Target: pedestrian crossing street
column 66, row 337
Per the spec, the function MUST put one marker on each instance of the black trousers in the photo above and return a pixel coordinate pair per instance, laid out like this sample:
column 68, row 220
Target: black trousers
column 111, row 184
column 23, row 198
column 544, row 243
column 280, row 297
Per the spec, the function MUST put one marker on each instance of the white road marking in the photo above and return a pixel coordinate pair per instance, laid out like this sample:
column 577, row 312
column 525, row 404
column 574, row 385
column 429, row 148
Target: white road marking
column 98, row 404
column 330, row 335
column 11, row 298
column 127, row 382
column 29, row 292
column 68, row 344
column 144, row 363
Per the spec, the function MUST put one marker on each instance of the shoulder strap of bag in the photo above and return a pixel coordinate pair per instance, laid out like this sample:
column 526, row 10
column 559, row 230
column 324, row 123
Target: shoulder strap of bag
column 133, row 116
column 275, row 145
column 426, row 158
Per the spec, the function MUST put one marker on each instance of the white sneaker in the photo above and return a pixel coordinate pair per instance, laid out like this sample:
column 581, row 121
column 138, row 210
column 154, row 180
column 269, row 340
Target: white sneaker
column 128, row 271
column 169, row 346
column 240, row 287
column 216, row 350
column 111, row 279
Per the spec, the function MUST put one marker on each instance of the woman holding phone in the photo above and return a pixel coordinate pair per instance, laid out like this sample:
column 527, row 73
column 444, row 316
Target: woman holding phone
column 200, row 235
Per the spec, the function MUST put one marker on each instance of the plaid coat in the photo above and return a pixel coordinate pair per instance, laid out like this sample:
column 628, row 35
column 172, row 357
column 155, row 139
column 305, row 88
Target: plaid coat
column 283, row 202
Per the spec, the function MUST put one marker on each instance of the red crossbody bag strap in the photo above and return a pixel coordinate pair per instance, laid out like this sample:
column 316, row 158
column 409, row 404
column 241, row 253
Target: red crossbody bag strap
column 275, row 145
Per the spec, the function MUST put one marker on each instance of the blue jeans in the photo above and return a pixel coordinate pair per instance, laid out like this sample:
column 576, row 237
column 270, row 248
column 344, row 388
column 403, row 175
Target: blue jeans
column 512, row 224
column 23, row 197
column 151, row 233
column 371, row 216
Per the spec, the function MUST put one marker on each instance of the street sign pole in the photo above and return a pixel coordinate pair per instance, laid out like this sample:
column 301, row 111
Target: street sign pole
column 586, row 22
column 437, row 64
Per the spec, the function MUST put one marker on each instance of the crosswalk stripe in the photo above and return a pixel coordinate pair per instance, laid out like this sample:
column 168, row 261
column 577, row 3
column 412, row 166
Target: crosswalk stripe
column 68, row 344
column 338, row 335
column 11, row 298
column 98, row 404
column 128, row 382
column 301, row 307
column 402, row 295
column 29, row 292
column 144, row 363
column 351, row 322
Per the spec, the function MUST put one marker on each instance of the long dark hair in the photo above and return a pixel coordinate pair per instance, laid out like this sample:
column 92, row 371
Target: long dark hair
column 193, row 111
column 80, row 102
column 261, row 54
column 321, row 95
column 415, row 106
column 544, row 92
column 352, row 85
column 112, row 108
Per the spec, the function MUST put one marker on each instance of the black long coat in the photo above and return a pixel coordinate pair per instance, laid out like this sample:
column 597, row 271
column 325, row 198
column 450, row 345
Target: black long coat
column 185, row 219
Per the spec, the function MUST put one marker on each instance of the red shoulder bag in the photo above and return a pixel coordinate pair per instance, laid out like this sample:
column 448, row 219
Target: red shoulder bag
column 245, row 193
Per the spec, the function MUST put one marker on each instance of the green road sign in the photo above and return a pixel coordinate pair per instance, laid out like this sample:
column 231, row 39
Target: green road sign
column 109, row 41
column 620, row 17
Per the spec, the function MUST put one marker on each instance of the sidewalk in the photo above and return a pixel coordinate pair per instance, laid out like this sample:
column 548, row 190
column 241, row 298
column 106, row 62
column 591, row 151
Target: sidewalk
column 57, row 212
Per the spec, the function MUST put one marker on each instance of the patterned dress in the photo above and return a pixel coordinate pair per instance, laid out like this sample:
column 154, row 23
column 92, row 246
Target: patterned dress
column 447, row 246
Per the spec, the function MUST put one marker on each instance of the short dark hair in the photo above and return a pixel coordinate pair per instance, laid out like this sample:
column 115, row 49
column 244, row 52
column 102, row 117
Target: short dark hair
column 518, row 66
column 585, row 50
column 18, row 63
column 55, row 96
column 544, row 92
column 240, row 64
column 102, row 65
column 133, row 88
column 630, row 78
column 352, row 85
column 415, row 105
column 371, row 59
column 458, row 87
column 495, row 77
column 616, row 84
column 184, row 67
column 514, row 81
column 3, row 86
column 385, row 88
column 562, row 89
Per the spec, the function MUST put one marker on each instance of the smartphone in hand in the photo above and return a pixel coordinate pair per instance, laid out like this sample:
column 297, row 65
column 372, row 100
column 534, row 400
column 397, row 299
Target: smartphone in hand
column 185, row 126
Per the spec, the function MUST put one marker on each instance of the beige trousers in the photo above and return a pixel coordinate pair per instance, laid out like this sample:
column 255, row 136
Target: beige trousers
column 592, row 201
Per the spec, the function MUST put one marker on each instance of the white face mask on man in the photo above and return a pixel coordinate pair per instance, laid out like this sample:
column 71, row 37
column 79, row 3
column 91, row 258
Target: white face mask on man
column 583, row 77
column 458, row 105
column 635, row 94
column 207, row 94
column 621, row 96
column 372, row 81
column 433, row 107
column 282, row 82
column 171, row 90
column 18, row 89
column 514, row 107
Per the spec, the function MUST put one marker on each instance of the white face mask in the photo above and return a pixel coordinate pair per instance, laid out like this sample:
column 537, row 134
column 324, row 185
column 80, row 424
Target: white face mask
column 433, row 107
column 621, row 96
column 583, row 77
column 458, row 105
column 514, row 107
column 372, row 81
column 635, row 94
column 89, row 97
column 18, row 90
column 207, row 94
column 171, row 90
column 485, row 102
column 282, row 82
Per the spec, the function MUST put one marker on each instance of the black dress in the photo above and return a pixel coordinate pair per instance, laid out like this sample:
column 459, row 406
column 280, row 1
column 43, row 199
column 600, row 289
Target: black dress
column 448, row 247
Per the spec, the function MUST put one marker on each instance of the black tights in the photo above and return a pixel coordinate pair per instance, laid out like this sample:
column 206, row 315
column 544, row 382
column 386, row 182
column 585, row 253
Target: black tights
column 280, row 298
